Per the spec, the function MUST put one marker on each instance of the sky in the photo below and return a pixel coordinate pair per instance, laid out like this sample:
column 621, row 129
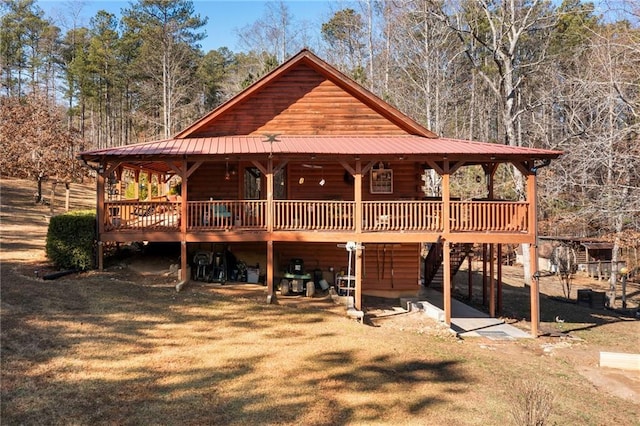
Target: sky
column 225, row 16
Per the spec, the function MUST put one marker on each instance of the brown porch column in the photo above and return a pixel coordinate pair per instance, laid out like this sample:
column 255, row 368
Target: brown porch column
column 446, row 285
column 100, row 213
column 499, row 265
column 184, row 261
column 484, row 274
column 446, row 245
column 358, row 229
column 492, row 282
column 357, row 197
column 470, row 275
column 269, row 276
column 136, row 190
column 269, row 184
column 534, row 292
column 358, row 290
column 446, row 199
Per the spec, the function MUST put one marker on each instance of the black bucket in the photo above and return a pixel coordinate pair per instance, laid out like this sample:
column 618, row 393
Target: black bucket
column 317, row 277
column 598, row 299
column 584, row 297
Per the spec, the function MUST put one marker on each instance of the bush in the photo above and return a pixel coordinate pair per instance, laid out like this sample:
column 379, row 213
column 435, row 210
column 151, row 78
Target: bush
column 70, row 240
column 532, row 403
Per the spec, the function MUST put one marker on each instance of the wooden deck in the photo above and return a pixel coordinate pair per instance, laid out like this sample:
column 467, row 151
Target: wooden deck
column 505, row 217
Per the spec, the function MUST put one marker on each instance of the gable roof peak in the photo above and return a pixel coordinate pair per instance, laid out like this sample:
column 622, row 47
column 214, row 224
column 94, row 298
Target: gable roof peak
column 348, row 85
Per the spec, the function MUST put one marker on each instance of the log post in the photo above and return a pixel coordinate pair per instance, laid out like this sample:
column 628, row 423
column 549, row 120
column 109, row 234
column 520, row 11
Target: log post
column 484, row 274
column 446, row 285
column 470, row 275
column 492, row 282
column 271, row 294
column 499, row 267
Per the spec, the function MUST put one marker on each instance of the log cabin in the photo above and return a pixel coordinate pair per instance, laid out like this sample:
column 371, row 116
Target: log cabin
column 304, row 161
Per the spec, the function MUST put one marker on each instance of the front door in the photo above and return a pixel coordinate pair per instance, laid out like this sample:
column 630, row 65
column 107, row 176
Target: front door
column 254, row 184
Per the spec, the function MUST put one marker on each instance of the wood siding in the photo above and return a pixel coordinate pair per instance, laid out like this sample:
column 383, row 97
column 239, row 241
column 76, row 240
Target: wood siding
column 338, row 186
column 301, row 102
column 209, row 182
column 386, row 267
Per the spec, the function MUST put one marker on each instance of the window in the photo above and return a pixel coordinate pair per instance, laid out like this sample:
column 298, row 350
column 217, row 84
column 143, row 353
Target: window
column 381, row 181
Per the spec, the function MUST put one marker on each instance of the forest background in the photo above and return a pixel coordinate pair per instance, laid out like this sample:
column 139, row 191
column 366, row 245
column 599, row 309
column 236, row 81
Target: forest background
column 535, row 73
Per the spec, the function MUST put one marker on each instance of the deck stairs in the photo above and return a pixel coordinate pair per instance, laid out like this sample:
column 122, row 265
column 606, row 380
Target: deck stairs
column 433, row 271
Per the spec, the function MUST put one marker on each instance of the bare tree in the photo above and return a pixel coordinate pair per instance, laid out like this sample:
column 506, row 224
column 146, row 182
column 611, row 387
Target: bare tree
column 602, row 104
column 505, row 41
column 276, row 33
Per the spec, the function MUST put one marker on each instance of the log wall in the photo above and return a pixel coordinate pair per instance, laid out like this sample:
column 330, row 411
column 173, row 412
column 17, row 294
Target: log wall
column 386, row 266
column 302, row 102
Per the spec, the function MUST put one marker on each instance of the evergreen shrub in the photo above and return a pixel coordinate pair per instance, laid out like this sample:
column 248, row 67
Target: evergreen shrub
column 71, row 239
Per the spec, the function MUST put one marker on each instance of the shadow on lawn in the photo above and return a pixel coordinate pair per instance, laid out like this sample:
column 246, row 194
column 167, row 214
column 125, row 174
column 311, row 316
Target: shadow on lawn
column 553, row 309
column 96, row 350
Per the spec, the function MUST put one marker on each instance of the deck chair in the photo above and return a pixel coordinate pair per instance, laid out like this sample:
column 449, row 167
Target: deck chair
column 221, row 215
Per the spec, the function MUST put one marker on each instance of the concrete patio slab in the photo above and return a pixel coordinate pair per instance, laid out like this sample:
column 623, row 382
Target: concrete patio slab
column 467, row 321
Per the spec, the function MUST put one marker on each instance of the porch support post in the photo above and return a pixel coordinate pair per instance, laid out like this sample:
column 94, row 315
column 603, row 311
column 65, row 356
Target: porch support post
column 357, row 197
column 446, row 199
column 270, row 218
column 446, row 285
column 269, row 277
column 136, row 189
column 492, row 282
column 446, row 246
column 470, row 274
column 100, row 256
column 499, row 266
column 358, row 290
column 484, row 274
column 269, row 184
column 184, row 261
column 534, row 291
column 100, row 213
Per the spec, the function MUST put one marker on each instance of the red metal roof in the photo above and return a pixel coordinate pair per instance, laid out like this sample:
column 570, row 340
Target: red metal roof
column 319, row 145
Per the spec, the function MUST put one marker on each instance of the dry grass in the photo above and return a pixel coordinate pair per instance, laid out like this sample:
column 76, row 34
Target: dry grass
column 123, row 348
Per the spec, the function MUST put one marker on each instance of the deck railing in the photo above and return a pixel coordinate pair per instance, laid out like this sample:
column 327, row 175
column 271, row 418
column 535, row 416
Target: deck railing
column 315, row 215
column 138, row 215
column 402, row 216
column 227, row 214
column 492, row 216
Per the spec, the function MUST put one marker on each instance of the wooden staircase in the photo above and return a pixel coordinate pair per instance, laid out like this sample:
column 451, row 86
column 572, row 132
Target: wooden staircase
column 433, row 271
